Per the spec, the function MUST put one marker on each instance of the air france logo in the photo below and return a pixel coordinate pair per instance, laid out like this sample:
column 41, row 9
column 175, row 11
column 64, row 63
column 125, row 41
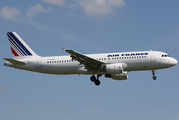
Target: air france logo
column 130, row 54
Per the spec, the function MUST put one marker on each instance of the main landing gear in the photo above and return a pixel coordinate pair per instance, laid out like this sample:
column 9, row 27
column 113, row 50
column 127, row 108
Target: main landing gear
column 96, row 81
column 153, row 73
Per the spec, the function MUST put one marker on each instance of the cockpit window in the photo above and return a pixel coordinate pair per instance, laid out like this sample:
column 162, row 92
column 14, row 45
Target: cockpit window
column 165, row 56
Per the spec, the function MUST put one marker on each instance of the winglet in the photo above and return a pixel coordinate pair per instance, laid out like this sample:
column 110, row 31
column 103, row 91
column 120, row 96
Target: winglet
column 63, row 49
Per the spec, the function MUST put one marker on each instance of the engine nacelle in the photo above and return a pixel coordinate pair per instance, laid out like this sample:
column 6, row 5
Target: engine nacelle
column 122, row 76
column 114, row 68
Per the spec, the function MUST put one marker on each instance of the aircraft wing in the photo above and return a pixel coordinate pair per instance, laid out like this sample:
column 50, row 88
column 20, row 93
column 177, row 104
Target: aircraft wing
column 90, row 63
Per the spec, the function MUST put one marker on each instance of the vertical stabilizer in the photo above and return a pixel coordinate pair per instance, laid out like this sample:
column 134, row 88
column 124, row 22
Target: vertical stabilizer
column 18, row 47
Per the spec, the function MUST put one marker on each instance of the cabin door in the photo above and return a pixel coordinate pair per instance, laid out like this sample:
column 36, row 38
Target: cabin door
column 152, row 57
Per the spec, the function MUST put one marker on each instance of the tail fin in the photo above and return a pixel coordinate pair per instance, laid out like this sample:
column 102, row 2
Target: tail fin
column 18, row 47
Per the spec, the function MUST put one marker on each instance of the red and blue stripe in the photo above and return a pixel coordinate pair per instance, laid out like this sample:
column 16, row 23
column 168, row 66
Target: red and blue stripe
column 17, row 48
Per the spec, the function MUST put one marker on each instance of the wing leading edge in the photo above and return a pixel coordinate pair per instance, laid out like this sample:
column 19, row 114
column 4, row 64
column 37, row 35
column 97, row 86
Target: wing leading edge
column 90, row 63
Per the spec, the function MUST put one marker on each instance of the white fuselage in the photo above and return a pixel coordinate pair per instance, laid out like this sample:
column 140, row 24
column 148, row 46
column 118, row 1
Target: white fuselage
column 131, row 61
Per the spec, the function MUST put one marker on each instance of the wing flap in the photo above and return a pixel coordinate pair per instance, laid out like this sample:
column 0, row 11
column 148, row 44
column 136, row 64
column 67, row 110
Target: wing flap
column 16, row 62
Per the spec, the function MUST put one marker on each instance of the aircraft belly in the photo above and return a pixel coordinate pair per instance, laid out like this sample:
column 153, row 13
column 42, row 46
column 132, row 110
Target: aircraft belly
column 62, row 69
column 66, row 70
column 137, row 66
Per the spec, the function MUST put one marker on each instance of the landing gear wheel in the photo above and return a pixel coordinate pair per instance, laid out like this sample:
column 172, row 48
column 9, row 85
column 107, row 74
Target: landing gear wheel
column 97, row 82
column 154, row 77
column 153, row 73
column 93, row 78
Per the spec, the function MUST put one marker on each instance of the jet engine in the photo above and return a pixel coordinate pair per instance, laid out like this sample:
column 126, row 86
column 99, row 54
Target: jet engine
column 114, row 68
column 122, row 76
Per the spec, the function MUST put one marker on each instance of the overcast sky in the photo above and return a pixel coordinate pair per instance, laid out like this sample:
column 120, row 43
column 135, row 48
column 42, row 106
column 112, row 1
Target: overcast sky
column 90, row 26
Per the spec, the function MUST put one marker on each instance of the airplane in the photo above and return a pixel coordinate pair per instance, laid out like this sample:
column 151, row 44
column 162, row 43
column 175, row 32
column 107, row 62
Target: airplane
column 111, row 65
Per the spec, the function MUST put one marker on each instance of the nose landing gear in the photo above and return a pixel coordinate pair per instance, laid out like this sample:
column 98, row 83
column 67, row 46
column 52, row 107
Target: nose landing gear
column 153, row 73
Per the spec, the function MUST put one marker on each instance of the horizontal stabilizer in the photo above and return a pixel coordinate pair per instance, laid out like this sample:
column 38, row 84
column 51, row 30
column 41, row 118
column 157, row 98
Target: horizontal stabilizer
column 16, row 62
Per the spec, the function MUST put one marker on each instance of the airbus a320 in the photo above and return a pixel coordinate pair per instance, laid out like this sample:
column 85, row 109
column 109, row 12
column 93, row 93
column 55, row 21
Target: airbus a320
column 111, row 65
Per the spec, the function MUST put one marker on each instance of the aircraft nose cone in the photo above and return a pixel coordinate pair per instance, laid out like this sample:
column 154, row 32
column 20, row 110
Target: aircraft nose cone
column 174, row 61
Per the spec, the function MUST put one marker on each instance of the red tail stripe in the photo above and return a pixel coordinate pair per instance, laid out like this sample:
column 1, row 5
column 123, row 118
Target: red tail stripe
column 14, row 52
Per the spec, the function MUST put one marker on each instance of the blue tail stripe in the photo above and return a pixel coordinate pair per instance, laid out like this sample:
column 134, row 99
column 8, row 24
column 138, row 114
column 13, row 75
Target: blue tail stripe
column 11, row 42
column 20, row 44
